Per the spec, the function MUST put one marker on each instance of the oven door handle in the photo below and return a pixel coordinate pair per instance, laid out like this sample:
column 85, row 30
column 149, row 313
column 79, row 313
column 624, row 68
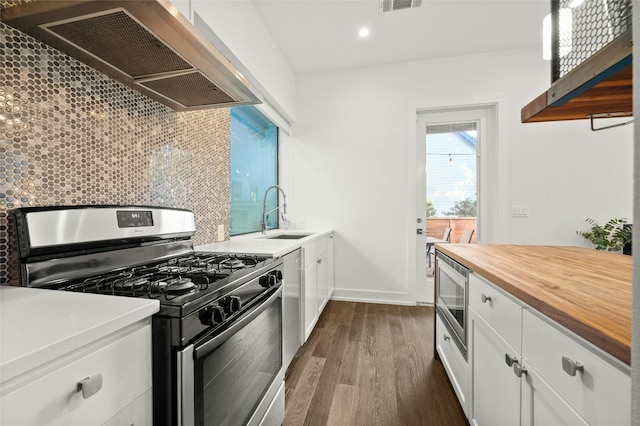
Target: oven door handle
column 206, row 348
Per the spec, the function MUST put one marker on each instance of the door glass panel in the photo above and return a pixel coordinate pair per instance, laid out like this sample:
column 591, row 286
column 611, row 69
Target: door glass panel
column 451, row 170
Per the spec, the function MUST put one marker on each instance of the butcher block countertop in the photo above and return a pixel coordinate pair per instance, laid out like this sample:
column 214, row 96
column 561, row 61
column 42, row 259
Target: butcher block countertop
column 585, row 290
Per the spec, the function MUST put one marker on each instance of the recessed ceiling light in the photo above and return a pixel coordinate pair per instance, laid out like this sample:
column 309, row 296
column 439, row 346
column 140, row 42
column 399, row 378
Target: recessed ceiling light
column 364, row 32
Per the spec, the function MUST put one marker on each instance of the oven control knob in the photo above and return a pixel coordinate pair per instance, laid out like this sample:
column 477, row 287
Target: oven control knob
column 276, row 274
column 235, row 303
column 217, row 315
column 264, row 281
column 231, row 304
column 212, row 315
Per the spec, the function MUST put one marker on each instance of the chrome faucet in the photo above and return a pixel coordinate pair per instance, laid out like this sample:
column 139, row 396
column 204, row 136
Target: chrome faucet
column 264, row 206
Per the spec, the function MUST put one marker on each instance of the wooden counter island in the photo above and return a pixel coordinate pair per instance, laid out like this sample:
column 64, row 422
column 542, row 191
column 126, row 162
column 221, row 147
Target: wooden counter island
column 587, row 291
column 547, row 334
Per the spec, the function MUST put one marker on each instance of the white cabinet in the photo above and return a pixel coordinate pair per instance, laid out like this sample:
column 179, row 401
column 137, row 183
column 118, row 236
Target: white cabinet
column 118, row 391
column 454, row 363
column 496, row 389
column 591, row 383
column 529, row 370
column 542, row 406
column 317, row 280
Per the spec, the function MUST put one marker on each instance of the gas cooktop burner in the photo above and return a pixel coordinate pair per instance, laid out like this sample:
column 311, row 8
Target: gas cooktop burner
column 232, row 264
column 174, row 286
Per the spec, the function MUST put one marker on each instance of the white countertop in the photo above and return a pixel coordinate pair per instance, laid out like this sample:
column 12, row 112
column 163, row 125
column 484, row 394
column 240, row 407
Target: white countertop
column 37, row 325
column 256, row 244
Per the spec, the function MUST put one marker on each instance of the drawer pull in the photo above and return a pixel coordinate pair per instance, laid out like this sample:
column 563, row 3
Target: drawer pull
column 446, row 337
column 485, row 298
column 519, row 370
column 570, row 366
column 509, row 360
column 90, row 386
column 319, row 261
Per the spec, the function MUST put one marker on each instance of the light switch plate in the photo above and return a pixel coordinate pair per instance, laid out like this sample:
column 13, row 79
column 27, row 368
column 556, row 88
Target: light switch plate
column 220, row 232
column 519, row 211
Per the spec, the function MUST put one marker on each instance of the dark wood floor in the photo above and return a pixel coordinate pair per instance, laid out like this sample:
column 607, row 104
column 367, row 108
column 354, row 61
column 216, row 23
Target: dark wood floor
column 370, row 364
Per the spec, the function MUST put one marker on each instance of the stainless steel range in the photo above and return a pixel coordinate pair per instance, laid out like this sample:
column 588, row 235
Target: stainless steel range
column 217, row 339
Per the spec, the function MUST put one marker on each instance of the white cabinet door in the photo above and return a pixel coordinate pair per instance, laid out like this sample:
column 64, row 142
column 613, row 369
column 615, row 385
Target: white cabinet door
column 322, row 279
column 454, row 364
column 310, row 299
column 599, row 391
column 496, row 388
column 541, row 406
column 119, row 369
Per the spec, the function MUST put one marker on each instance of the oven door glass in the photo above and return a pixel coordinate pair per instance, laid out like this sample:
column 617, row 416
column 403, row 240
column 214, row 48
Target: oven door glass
column 231, row 380
column 451, row 294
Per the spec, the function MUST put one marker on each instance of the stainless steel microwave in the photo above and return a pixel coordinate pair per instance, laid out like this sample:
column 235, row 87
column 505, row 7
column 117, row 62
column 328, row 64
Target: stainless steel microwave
column 452, row 298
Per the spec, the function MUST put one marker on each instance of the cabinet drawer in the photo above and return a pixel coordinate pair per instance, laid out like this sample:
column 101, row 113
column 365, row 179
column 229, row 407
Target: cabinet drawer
column 50, row 395
column 601, row 393
column 497, row 308
column 138, row 413
column 454, row 363
column 314, row 250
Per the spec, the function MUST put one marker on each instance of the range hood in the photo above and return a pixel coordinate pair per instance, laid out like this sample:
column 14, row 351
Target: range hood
column 146, row 44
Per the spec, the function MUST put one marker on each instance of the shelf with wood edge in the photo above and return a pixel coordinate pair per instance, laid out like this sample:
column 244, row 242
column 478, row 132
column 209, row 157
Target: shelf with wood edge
column 601, row 85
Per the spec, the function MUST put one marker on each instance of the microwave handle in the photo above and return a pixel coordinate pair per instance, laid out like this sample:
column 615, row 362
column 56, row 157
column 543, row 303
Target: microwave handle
column 460, row 279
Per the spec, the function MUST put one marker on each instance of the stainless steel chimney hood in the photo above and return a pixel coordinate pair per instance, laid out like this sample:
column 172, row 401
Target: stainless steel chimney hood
column 146, row 44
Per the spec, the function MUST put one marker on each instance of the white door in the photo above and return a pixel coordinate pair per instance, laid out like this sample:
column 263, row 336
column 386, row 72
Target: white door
column 484, row 119
column 495, row 388
column 542, row 406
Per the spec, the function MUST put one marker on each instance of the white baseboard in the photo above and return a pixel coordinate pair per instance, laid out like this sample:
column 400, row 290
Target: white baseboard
column 364, row 296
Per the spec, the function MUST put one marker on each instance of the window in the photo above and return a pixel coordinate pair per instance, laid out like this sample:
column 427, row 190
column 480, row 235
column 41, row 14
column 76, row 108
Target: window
column 254, row 168
column 451, row 171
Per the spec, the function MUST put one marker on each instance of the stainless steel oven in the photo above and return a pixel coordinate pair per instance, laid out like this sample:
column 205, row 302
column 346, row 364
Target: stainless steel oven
column 217, row 339
column 226, row 376
column 452, row 291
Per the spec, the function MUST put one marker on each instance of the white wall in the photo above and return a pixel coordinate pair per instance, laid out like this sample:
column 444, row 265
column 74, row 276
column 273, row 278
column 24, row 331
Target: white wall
column 236, row 23
column 351, row 146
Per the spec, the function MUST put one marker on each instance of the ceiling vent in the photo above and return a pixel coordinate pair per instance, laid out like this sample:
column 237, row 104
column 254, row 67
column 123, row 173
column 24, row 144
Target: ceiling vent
column 391, row 5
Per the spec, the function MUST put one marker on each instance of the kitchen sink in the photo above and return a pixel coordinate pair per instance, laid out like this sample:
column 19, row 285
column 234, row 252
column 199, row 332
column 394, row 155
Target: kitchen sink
column 287, row 236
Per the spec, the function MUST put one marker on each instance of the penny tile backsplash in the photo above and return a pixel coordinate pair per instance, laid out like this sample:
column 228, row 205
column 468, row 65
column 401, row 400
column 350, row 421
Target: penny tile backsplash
column 70, row 135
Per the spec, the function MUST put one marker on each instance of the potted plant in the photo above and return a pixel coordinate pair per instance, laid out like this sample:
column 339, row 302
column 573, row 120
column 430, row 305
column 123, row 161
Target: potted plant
column 611, row 237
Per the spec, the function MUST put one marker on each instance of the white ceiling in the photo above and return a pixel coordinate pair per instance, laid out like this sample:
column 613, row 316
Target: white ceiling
column 321, row 35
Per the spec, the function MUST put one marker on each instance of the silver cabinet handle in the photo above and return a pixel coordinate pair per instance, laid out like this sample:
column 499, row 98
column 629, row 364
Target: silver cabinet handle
column 485, row 298
column 571, row 367
column 319, row 261
column 509, row 360
column 446, row 337
column 90, row 386
column 519, row 370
